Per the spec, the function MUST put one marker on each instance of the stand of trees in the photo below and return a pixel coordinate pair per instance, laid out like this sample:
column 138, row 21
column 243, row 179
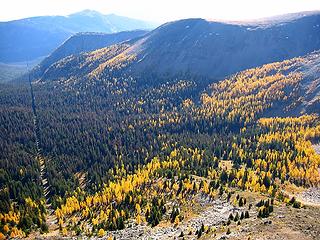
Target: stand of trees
column 138, row 143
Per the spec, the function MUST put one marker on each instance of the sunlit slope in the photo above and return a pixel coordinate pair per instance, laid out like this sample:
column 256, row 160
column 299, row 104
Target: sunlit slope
column 83, row 42
column 214, row 50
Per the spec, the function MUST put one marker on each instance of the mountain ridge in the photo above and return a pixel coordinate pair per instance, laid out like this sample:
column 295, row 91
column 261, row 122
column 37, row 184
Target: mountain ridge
column 83, row 42
column 211, row 50
column 29, row 38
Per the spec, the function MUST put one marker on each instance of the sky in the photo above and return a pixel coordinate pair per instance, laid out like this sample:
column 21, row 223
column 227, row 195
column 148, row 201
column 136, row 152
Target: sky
column 158, row 11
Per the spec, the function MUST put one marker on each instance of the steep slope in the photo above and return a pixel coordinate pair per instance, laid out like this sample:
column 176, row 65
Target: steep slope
column 196, row 47
column 217, row 49
column 29, row 38
column 301, row 94
column 280, row 89
column 84, row 42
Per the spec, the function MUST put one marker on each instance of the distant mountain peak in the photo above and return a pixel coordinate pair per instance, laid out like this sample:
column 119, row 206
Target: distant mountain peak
column 87, row 12
column 31, row 38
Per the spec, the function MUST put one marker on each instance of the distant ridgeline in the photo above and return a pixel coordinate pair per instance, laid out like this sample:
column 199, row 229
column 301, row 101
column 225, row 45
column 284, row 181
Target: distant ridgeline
column 32, row 38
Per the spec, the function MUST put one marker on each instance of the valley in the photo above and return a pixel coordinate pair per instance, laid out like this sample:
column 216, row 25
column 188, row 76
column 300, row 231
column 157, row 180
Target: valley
column 167, row 134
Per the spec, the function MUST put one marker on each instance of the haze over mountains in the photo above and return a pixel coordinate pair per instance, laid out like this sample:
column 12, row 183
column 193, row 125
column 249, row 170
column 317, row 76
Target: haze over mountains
column 197, row 47
column 31, row 38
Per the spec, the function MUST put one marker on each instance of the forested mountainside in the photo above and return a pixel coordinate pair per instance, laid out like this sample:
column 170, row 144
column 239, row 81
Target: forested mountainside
column 30, row 38
column 200, row 48
column 83, row 42
column 96, row 151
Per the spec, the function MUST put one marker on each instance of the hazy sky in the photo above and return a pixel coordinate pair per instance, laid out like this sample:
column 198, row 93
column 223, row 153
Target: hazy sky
column 158, row 10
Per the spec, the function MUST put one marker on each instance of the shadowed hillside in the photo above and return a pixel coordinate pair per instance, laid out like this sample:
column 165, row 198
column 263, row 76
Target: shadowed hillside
column 30, row 38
